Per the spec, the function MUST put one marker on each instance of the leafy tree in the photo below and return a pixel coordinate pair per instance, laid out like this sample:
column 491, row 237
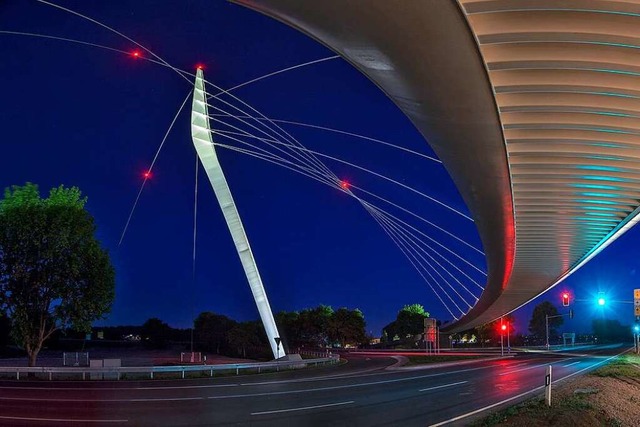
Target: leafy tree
column 156, row 333
column 53, row 272
column 347, row 327
column 289, row 326
column 211, row 330
column 491, row 332
column 409, row 322
column 537, row 324
column 5, row 331
column 610, row 330
column 314, row 325
column 244, row 336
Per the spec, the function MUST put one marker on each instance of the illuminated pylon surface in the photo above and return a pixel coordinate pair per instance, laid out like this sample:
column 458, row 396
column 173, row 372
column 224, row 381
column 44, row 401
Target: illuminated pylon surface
column 203, row 142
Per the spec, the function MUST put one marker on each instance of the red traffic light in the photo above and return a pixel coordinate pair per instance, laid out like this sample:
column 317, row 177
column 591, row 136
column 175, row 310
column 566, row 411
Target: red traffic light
column 565, row 299
column 503, row 327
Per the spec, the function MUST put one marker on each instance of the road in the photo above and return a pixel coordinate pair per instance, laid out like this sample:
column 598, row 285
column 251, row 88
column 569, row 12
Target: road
column 366, row 391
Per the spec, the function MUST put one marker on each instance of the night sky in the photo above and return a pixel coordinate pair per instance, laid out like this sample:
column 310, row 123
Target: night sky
column 81, row 115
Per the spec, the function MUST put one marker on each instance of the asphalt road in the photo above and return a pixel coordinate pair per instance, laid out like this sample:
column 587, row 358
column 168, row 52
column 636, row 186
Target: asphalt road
column 363, row 392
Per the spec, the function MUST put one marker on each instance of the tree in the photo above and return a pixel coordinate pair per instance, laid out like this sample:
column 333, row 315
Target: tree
column 211, row 330
column 610, row 330
column 314, row 324
column 53, row 272
column 245, row 335
column 409, row 322
column 537, row 324
column 5, row 331
column 155, row 333
column 492, row 331
column 347, row 327
column 290, row 329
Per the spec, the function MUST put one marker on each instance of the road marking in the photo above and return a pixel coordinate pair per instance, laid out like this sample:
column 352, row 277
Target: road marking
column 61, row 420
column 477, row 411
column 304, row 408
column 170, row 387
column 443, row 386
column 235, row 396
column 151, row 399
column 520, row 370
column 571, row 364
column 525, row 369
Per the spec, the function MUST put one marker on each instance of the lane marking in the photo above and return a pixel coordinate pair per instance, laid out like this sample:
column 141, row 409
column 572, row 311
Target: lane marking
column 233, row 396
column 477, row 411
column 410, row 378
column 520, row 370
column 150, row 399
column 527, row 368
column 61, row 420
column 571, row 364
column 304, row 408
column 443, row 386
column 170, row 387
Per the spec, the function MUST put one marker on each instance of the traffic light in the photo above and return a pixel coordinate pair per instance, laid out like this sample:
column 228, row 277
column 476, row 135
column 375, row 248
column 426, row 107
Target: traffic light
column 503, row 327
column 565, row 299
column 602, row 301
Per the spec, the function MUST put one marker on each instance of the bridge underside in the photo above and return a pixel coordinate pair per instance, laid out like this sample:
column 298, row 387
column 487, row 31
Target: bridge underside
column 531, row 105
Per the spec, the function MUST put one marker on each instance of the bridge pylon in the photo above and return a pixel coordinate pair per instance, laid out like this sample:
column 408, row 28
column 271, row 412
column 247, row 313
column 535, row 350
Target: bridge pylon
column 203, row 143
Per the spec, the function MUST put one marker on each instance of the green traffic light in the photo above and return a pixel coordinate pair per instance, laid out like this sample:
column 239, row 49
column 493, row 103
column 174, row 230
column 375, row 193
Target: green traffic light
column 601, row 301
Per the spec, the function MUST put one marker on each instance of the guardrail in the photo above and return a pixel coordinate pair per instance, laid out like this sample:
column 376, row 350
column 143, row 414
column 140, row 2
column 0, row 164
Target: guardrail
column 118, row 372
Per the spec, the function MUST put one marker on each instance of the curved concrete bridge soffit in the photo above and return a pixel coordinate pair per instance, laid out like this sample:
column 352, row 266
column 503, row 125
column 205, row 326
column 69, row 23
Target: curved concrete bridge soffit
column 533, row 106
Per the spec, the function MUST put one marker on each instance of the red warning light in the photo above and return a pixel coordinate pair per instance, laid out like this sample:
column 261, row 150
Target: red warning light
column 147, row 175
column 504, row 327
column 135, row 54
column 199, row 67
column 344, row 185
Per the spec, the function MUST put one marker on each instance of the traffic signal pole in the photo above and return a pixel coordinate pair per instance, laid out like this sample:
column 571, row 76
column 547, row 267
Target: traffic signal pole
column 546, row 319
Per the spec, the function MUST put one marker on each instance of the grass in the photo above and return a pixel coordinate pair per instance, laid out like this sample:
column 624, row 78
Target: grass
column 535, row 412
column 419, row 360
column 626, row 366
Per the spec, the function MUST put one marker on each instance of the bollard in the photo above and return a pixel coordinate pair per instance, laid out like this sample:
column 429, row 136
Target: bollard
column 547, row 384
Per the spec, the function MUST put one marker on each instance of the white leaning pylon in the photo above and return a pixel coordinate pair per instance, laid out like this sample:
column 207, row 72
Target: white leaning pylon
column 203, row 142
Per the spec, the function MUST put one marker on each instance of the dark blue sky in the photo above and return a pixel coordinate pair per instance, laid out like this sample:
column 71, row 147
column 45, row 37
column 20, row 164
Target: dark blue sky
column 85, row 116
